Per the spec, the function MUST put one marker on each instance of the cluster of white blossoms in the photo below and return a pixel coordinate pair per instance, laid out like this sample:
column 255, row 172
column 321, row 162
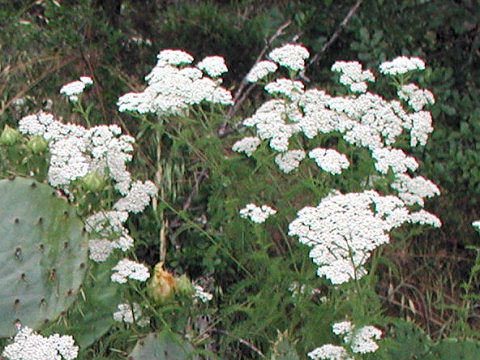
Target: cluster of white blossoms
column 128, row 315
column 344, row 229
column 102, row 151
column 360, row 341
column 289, row 160
column 353, row 75
column 291, row 56
column 364, row 119
column 108, row 233
column 329, row 160
column 261, row 70
column 257, row 214
column 476, row 225
column 174, row 86
column 414, row 190
column 28, row 345
column 128, row 269
column 201, row 294
column 415, row 97
column 75, row 88
column 247, row 145
column 402, row 65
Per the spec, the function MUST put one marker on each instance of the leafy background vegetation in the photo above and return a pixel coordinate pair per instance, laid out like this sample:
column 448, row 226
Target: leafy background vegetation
column 47, row 43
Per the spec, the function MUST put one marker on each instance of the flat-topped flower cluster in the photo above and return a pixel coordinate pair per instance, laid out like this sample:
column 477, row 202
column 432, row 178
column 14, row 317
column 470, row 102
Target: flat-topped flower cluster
column 359, row 341
column 174, row 86
column 345, row 228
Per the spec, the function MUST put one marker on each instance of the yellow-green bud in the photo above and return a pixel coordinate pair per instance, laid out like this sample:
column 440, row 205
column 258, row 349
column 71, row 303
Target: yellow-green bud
column 9, row 136
column 37, row 144
column 93, row 181
column 184, row 286
column 162, row 285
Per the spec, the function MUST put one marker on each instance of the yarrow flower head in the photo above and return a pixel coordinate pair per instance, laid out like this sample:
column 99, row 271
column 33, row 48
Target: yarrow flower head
column 28, row 345
column 128, row 269
column 402, row 65
column 290, row 160
column 128, row 315
column 476, row 225
column 174, row 57
column 415, row 97
column 214, row 66
column 137, row 198
column 201, row 294
column 329, row 160
column 343, row 229
column 247, row 145
column 257, row 214
column 261, row 70
column 75, row 88
column 329, row 352
column 360, row 341
column 291, row 56
column 353, row 76
column 173, row 88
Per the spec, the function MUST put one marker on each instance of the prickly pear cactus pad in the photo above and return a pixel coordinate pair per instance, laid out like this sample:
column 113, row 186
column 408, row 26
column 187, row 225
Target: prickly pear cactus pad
column 43, row 254
column 162, row 346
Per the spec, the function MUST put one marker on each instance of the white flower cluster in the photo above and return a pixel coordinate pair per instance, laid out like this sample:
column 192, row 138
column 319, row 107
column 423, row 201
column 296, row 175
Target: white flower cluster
column 291, row 56
column 29, row 345
column 396, row 159
column 344, row 229
column 329, row 352
column 128, row 315
column 108, row 234
column 360, row 341
column 128, row 269
column 286, row 87
column 476, row 224
column 402, row 65
column 201, row 294
column 415, row 97
column 137, row 198
column 414, row 190
column 173, row 88
column 76, row 151
column 75, row 88
column 329, row 160
column 290, row 160
column 353, row 75
column 213, row 66
column 365, row 120
column 257, row 214
column 247, row 145
column 261, row 70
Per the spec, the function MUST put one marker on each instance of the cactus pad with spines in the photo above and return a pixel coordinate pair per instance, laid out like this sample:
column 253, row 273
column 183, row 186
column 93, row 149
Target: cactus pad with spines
column 162, row 346
column 43, row 254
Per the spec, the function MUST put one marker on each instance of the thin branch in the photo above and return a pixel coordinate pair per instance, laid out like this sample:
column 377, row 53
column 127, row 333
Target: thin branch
column 240, row 94
column 35, row 82
column 241, row 341
column 335, row 35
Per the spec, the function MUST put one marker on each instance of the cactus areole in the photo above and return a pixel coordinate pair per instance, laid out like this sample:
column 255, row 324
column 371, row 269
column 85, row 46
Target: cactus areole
column 43, row 254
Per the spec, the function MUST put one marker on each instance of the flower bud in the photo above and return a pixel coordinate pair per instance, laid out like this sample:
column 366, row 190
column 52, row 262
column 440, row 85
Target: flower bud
column 37, row 144
column 162, row 285
column 184, row 286
column 93, row 181
column 9, row 136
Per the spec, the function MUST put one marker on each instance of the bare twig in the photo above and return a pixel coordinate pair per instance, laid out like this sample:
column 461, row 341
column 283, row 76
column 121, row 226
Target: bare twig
column 242, row 93
column 241, row 341
column 336, row 34
column 42, row 76
column 188, row 202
